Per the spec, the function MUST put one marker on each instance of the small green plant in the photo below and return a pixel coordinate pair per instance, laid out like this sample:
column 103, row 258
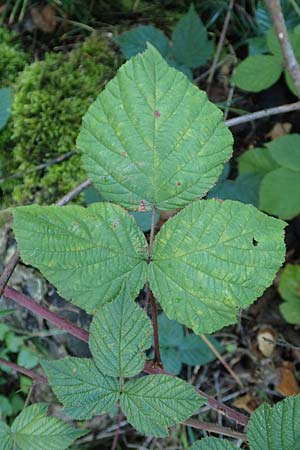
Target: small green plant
column 277, row 170
column 259, row 72
column 151, row 141
column 188, row 49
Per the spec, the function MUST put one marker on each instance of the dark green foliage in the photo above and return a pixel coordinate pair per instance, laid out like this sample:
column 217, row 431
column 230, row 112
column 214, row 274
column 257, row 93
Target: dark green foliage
column 50, row 98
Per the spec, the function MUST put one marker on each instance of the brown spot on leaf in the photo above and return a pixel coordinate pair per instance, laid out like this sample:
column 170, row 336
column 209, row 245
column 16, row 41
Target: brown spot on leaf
column 179, row 183
column 123, row 153
column 156, row 114
column 142, row 206
column 116, row 223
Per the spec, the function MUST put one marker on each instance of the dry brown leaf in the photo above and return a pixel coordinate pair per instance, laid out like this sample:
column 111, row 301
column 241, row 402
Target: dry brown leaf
column 44, row 18
column 246, row 402
column 287, row 380
column 279, row 129
column 266, row 340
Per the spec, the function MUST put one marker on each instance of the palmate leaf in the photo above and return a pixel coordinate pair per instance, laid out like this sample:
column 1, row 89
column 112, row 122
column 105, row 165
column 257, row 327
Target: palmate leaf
column 156, row 402
column 81, row 387
column 213, row 258
column 34, row 430
column 211, row 443
column 276, row 428
column 87, row 253
column 119, row 335
column 152, row 138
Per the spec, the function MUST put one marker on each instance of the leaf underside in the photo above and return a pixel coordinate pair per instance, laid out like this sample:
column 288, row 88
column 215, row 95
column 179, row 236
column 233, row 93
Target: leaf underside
column 119, row 335
column 81, row 387
column 87, row 253
column 156, row 402
column 153, row 138
column 213, row 258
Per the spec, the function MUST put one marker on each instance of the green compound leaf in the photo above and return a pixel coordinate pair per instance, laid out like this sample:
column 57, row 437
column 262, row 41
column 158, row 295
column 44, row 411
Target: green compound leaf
column 257, row 73
column 285, row 151
column 152, row 138
column 258, row 161
column 211, row 443
column 280, row 192
column 119, row 335
column 156, row 402
column 276, row 428
column 6, row 438
column 213, row 258
column 135, row 41
column 289, row 289
column 81, row 387
column 34, row 430
column 87, row 253
column 191, row 46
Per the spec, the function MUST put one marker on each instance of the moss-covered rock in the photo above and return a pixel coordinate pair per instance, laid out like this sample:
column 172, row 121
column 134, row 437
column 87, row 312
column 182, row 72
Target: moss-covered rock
column 51, row 96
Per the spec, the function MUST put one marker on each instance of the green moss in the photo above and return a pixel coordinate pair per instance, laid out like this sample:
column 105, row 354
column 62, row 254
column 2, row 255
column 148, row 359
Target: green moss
column 12, row 57
column 51, row 96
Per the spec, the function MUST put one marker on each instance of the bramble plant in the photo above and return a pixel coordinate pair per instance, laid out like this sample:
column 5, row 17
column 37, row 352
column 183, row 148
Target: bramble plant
column 151, row 141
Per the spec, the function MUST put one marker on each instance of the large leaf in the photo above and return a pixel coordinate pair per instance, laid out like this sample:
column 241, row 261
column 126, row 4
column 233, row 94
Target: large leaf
column 213, row 258
column 280, row 193
column 285, row 151
column 34, row 430
column 258, row 161
column 276, row 428
column 81, row 387
column 5, row 102
column 135, row 41
column 289, row 289
column 257, row 72
column 191, row 46
column 119, row 335
column 87, row 253
column 211, row 443
column 156, row 402
column 153, row 138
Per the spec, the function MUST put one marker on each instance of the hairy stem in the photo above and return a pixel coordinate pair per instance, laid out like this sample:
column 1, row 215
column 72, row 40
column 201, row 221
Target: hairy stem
column 8, row 271
column 212, row 428
column 290, row 60
column 29, row 373
column 43, row 312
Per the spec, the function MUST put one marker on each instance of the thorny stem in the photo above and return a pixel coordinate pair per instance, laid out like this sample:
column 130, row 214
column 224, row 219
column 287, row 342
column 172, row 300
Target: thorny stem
column 29, row 373
column 149, row 296
column 43, row 312
column 117, row 433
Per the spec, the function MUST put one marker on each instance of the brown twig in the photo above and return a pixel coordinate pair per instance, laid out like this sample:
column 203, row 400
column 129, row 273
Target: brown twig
column 8, row 271
column 117, row 433
column 263, row 113
column 42, row 166
column 220, row 45
column 221, row 359
column 43, row 312
column 212, row 428
column 29, row 373
column 72, row 194
column 290, row 60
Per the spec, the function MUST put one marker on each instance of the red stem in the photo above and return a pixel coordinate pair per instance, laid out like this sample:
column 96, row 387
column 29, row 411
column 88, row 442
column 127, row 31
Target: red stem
column 8, row 271
column 29, row 373
column 117, row 434
column 43, row 312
